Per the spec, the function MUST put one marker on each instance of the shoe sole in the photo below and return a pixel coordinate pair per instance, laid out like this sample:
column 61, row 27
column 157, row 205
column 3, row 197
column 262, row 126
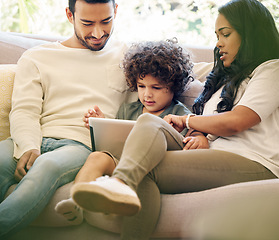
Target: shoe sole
column 97, row 199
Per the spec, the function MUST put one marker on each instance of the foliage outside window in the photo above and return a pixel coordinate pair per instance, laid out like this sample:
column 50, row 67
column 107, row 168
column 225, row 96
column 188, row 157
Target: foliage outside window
column 191, row 21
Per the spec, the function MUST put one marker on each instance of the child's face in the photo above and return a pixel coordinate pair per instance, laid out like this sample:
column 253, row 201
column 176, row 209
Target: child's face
column 153, row 95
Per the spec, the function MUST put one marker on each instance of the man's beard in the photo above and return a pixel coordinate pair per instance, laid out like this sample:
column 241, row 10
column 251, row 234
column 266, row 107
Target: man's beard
column 90, row 47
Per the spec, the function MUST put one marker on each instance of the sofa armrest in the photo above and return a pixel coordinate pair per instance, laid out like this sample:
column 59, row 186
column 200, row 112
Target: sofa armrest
column 7, row 74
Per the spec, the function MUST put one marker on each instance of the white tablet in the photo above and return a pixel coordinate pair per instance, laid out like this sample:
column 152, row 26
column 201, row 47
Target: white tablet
column 109, row 134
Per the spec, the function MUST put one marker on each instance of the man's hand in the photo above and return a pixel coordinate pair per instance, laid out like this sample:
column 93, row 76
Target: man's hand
column 95, row 112
column 25, row 163
column 178, row 122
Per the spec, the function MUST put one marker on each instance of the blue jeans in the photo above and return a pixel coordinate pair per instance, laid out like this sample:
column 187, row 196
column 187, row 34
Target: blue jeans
column 57, row 165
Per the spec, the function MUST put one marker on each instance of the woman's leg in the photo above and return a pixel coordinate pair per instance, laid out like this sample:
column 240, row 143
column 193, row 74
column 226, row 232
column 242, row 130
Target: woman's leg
column 197, row 170
column 149, row 148
column 57, row 166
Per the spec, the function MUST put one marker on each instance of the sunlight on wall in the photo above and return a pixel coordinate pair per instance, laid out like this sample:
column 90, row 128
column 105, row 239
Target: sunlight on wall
column 190, row 21
column 156, row 26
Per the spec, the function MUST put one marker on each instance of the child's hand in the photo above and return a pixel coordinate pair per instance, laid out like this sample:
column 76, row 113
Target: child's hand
column 95, row 112
column 198, row 141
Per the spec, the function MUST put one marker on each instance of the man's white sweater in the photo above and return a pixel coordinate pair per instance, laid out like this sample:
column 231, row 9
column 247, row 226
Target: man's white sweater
column 55, row 85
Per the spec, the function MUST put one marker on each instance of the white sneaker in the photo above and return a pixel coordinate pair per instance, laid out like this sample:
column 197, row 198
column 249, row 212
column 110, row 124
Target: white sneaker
column 106, row 195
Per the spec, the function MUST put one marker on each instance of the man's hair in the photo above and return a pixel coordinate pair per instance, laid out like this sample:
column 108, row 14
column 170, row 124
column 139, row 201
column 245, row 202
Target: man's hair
column 164, row 60
column 72, row 3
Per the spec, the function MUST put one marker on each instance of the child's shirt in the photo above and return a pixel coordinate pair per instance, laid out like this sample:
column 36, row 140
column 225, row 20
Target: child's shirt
column 131, row 111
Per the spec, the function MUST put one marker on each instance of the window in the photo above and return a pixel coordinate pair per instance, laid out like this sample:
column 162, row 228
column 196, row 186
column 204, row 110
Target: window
column 190, row 21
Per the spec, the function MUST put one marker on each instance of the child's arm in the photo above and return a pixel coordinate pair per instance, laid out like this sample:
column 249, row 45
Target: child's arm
column 95, row 112
column 196, row 140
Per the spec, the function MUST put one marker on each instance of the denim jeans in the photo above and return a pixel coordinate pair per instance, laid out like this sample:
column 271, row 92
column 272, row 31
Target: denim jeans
column 58, row 164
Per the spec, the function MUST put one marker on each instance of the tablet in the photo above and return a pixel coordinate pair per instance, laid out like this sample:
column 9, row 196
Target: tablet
column 109, row 134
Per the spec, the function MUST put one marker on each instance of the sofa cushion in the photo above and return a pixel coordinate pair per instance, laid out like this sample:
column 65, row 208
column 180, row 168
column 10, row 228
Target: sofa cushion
column 7, row 73
column 201, row 70
column 12, row 46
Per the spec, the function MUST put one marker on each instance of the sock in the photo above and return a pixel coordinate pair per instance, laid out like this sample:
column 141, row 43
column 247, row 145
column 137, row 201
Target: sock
column 69, row 210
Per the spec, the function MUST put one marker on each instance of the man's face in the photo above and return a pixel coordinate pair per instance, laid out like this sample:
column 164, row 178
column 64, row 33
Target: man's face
column 93, row 24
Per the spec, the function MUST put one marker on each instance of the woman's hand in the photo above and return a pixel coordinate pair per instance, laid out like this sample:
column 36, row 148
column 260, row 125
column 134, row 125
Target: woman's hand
column 196, row 141
column 178, row 122
column 95, row 112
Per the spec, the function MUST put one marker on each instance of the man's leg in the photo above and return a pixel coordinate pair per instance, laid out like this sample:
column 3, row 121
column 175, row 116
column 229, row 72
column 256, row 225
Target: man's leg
column 7, row 167
column 59, row 163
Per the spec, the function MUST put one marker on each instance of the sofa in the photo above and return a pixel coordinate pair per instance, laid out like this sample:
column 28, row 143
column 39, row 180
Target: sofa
column 238, row 211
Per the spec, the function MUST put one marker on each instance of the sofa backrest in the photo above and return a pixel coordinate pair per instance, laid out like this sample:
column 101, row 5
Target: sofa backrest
column 12, row 45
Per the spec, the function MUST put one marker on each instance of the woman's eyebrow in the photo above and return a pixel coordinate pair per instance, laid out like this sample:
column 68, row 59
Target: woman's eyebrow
column 222, row 28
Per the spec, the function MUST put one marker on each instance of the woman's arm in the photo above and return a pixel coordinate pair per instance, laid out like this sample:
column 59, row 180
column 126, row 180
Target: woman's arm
column 222, row 124
column 226, row 124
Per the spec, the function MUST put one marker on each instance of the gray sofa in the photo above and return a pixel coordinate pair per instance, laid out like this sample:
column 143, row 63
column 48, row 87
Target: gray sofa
column 238, row 211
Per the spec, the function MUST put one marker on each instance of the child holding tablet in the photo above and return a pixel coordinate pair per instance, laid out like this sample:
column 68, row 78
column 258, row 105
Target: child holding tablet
column 159, row 72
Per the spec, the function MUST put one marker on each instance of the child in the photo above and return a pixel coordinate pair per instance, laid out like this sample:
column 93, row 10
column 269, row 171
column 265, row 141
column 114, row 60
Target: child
column 159, row 72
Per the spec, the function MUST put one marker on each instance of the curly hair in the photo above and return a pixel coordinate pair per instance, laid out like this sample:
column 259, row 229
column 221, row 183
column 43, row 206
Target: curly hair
column 164, row 60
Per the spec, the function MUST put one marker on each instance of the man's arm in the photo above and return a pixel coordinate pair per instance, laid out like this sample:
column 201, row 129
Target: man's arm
column 27, row 100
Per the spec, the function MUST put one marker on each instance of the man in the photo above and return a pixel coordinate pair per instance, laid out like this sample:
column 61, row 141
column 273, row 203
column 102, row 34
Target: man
column 54, row 85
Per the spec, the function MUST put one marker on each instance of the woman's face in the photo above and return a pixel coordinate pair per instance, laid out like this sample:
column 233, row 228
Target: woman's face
column 228, row 40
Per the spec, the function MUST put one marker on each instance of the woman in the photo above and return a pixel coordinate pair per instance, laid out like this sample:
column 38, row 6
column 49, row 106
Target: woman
column 238, row 111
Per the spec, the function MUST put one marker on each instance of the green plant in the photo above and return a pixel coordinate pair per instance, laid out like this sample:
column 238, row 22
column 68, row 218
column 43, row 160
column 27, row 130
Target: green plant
column 27, row 9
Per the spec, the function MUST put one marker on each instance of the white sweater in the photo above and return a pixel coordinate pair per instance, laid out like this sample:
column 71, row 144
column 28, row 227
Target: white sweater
column 260, row 93
column 55, row 85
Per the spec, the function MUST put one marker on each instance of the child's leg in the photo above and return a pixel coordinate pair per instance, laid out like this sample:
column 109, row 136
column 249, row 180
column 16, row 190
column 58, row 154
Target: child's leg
column 96, row 165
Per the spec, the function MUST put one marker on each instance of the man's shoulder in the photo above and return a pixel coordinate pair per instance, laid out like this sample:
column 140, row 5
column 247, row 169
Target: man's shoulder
column 41, row 47
column 117, row 44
